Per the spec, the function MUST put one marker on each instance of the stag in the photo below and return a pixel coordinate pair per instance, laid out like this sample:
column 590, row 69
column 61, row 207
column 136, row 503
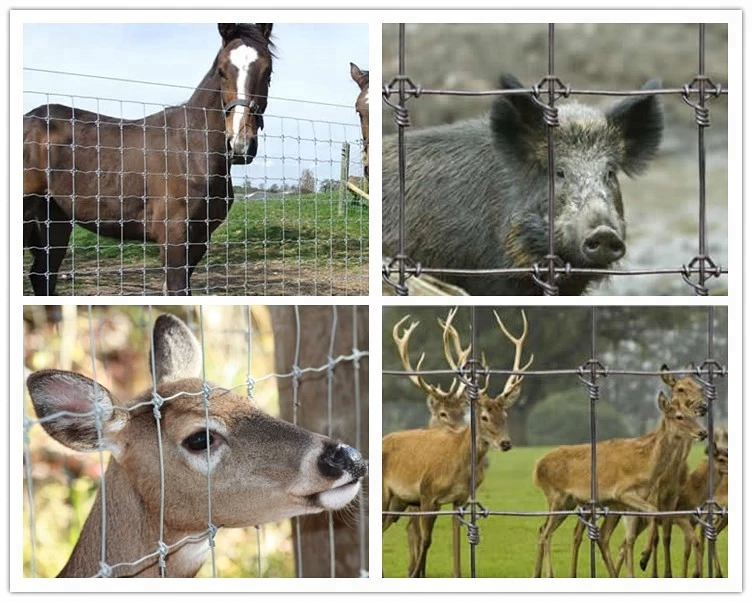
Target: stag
column 688, row 393
column 626, row 473
column 431, row 467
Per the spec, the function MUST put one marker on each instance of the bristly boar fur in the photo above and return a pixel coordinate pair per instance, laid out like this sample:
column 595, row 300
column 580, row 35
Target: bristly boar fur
column 477, row 190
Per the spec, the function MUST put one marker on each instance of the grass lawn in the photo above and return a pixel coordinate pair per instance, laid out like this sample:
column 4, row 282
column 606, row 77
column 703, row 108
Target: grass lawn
column 508, row 544
column 299, row 245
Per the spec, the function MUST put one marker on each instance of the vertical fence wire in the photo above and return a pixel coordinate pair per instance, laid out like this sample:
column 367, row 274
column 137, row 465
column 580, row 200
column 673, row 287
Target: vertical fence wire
column 295, row 403
column 362, row 520
column 329, row 401
column 709, row 388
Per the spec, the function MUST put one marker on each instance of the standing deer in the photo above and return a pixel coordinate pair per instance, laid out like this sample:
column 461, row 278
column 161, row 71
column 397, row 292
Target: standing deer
column 262, row 469
column 693, row 495
column 685, row 391
column 447, row 410
column 627, row 470
column 431, row 467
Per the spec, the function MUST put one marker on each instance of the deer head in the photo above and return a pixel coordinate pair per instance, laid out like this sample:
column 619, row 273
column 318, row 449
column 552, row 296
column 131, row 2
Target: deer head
column 685, row 390
column 262, row 469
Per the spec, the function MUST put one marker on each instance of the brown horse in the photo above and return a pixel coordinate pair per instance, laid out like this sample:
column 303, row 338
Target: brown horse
column 164, row 178
column 361, row 106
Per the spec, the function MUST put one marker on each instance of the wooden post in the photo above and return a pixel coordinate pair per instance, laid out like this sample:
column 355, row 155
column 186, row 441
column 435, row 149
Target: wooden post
column 349, row 423
column 344, row 175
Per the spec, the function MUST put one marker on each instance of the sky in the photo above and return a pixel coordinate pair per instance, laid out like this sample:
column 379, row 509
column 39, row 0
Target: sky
column 312, row 66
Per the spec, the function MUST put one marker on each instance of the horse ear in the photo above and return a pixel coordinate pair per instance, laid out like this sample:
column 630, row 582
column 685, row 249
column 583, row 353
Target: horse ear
column 227, row 31
column 266, row 29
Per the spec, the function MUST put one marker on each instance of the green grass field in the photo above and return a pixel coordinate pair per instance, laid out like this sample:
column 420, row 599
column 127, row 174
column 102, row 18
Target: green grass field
column 508, row 544
column 297, row 245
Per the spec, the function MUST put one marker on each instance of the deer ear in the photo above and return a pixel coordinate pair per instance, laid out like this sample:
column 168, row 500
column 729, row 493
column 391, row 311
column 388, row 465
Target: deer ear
column 667, row 378
column 512, row 396
column 663, row 402
column 176, row 351
column 70, row 406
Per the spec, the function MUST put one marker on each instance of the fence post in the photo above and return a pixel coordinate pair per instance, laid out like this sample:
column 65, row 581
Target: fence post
column 344, row 174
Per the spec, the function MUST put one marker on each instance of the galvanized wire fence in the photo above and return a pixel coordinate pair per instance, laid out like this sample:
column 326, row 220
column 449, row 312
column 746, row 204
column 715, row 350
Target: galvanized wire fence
column 550, row 272
column 473, row 513
column 288, row 232
column 233, row 341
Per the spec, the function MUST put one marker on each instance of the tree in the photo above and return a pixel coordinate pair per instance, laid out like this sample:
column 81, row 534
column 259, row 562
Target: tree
column 307, row 182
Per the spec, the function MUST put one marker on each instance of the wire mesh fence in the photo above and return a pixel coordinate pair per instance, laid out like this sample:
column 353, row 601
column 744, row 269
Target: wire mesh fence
column 602, row 400
column 280, row 225
column 510, row 181
column 156, row 508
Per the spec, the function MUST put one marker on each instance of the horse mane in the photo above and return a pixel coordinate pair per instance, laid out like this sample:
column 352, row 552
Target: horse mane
column 252, row 36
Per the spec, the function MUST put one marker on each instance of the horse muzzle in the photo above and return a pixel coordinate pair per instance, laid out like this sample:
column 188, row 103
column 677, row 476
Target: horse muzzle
column 242, row 150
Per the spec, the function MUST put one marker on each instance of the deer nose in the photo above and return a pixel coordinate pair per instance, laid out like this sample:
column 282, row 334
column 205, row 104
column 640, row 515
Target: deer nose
column 703, row 435
column 506, row 445
column 339, row 458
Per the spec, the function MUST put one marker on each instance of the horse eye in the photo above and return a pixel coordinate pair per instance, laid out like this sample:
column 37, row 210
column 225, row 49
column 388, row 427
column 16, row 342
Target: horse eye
column 199, row 441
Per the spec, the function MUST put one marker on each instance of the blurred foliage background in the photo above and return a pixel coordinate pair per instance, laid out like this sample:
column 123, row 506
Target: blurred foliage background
column 554, row 410
column 114, row 343
column 661, row 206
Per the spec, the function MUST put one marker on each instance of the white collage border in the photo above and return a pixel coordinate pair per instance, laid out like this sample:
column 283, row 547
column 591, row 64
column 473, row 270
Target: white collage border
column 384, row 11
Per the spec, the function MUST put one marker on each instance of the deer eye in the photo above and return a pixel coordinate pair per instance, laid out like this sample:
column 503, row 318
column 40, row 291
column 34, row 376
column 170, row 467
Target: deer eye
column 200, row 440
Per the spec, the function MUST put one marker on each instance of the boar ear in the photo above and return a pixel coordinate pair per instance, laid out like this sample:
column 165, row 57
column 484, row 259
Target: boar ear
column 516, row 121
column 639, row 122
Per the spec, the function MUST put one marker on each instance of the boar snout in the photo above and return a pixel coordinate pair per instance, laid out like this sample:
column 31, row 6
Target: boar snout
column 603, row 246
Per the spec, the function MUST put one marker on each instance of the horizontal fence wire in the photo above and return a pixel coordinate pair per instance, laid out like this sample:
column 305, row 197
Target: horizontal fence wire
column 134, row 168
column 468, row 514
column 551, row 272
column 158, row 404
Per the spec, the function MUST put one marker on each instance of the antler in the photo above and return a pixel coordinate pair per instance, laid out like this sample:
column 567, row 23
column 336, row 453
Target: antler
column 401, row 342
column 514, row 380
column 450, row 335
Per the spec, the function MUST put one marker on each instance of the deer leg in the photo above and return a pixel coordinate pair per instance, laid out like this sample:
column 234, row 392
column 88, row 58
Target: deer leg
column 720, row 526
column 413, row 542
column 691, row 537
column 579, row 529
column 426, row 530
column 49, row 244
column 666, row 526
column 604, row 542
column 456, row 545
column 544, row 541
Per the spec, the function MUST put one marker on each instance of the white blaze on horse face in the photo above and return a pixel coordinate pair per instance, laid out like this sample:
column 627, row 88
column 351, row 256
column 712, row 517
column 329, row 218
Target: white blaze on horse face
column 242, row 58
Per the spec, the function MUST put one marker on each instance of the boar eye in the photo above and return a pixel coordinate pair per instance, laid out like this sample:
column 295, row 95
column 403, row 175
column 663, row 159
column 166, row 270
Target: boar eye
column 560, row 173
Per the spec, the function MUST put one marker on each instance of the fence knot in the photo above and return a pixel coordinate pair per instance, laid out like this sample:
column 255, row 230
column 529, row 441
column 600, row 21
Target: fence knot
column 105, row 570
column 162, row 550
column 585, row 516
column 206, row 390
column 588, row 374
column 330, row 364
column 542, row 273
column 706, row 90
column 401, row 264
column 212, row 532
column 706, row 268
column 250, row 385
column 157, row 401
